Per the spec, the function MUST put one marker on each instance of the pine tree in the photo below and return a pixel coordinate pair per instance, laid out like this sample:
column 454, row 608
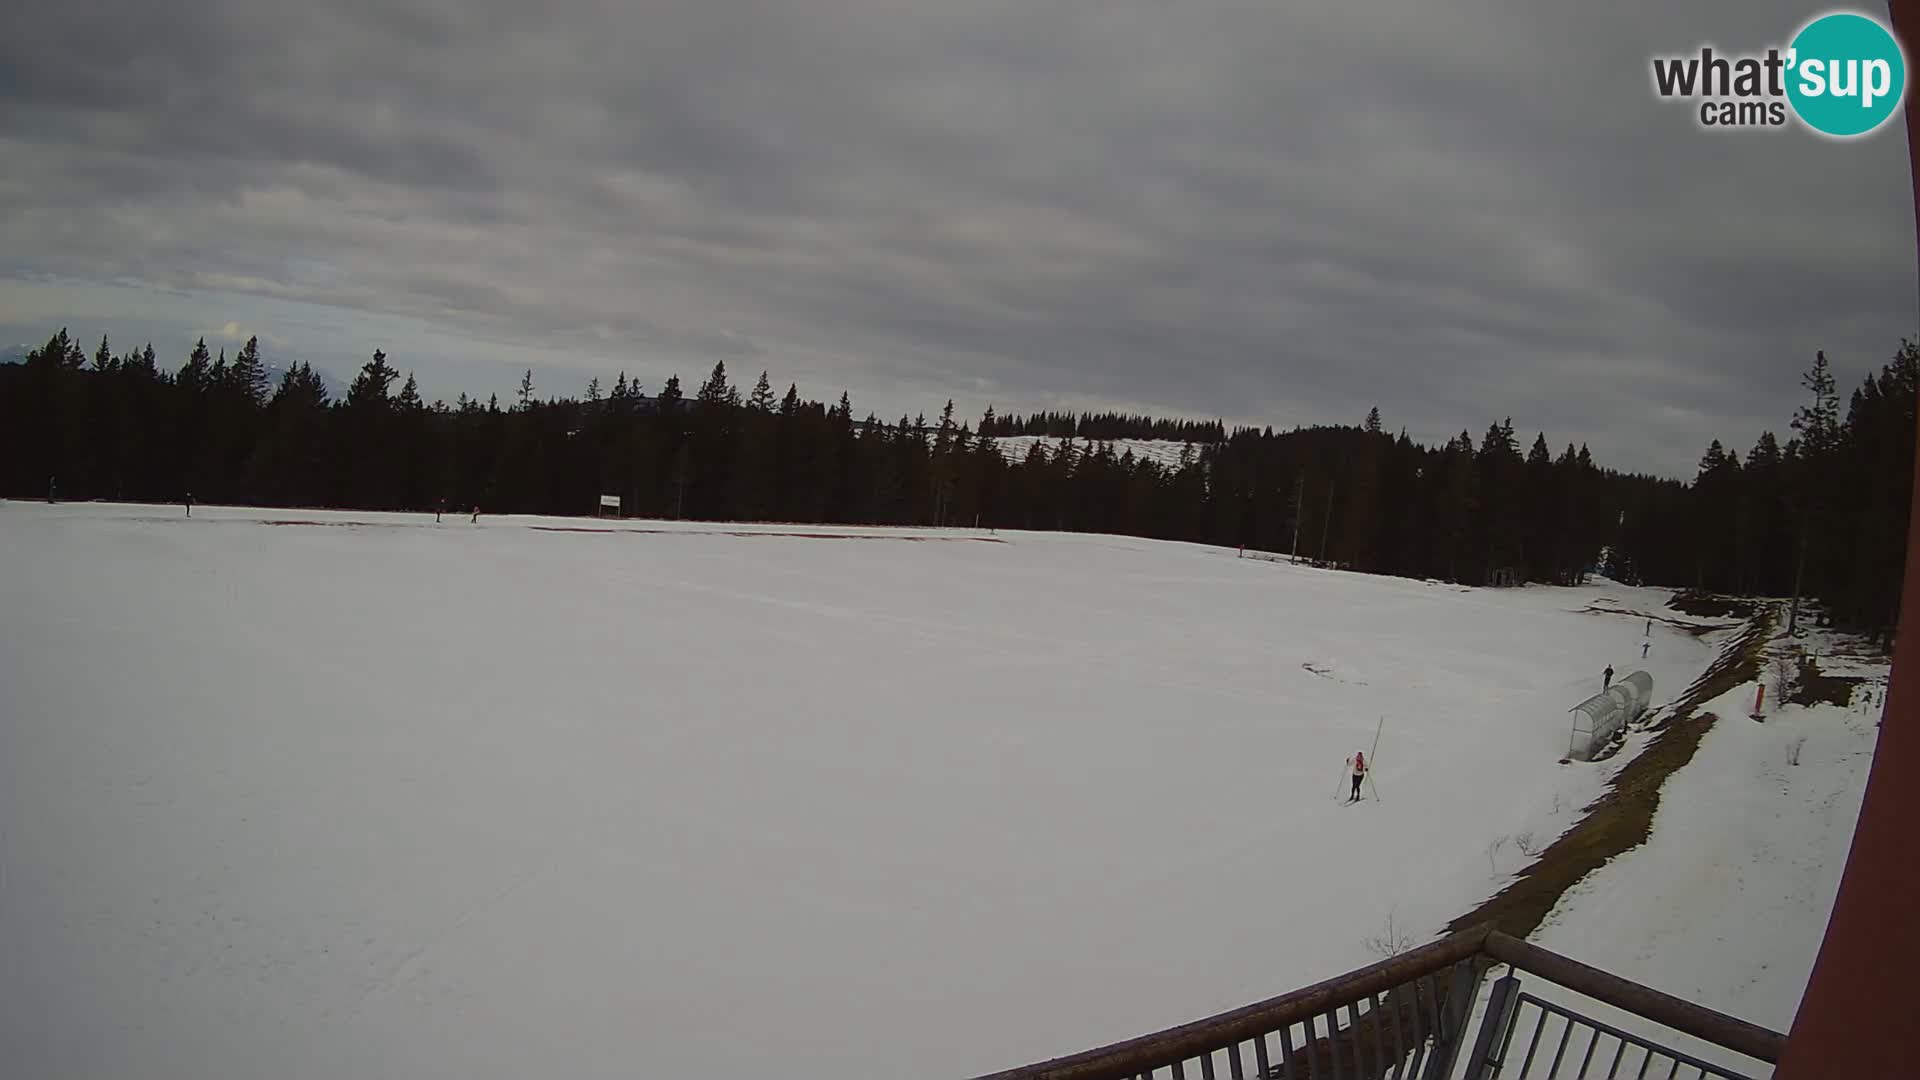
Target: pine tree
column 526, row 390
column 370, row 389
column 1372, row 425
column 196, row 373
column 762, row 399
column 713, row 392
column 1819, row 426
column 248, row 376
column 1818, row 422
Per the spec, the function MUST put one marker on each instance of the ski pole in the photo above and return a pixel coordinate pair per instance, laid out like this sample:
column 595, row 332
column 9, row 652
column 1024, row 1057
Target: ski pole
column 1374, row 759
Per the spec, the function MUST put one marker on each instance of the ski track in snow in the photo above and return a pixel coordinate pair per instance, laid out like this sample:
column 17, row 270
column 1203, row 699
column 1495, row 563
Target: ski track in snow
column 485, row 800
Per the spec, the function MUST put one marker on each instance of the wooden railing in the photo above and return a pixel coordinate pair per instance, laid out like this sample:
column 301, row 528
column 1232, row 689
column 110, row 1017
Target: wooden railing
column 1406, row 1016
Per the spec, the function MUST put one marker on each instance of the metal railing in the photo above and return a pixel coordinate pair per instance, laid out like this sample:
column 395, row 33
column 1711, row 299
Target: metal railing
column 1408, row 1018
column 1507, row 1016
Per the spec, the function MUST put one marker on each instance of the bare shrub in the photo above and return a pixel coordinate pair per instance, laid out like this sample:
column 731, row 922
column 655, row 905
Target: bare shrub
column 1525, row 842
column 1390, row 942
column 1785, row 669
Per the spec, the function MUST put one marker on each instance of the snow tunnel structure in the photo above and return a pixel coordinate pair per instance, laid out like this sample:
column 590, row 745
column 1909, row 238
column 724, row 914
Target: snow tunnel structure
column 1602, row 717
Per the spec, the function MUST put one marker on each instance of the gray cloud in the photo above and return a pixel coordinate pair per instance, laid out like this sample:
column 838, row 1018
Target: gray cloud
column 1272, row 213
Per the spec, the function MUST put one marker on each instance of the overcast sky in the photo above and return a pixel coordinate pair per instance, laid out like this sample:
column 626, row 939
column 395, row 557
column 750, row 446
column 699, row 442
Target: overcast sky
column 1261, row 210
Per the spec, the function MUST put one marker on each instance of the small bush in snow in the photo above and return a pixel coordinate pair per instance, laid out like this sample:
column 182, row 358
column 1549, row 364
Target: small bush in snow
column 1526, row 844
column 1786, row 674
column 1493, row 849
column 1389, row 943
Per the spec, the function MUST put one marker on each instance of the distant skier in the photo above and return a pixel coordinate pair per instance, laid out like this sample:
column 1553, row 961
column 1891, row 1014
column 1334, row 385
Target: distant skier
column 476, row 515
column 1606, row 678
column 1645, row 644
column 1359, row 763
column 189, row 501
column 438, row 509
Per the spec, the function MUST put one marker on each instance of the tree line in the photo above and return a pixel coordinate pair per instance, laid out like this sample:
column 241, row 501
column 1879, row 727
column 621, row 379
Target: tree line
column 1822, row 515
column 1102, row 426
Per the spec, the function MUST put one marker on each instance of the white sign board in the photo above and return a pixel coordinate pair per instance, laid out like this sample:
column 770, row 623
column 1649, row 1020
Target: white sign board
column 610, row 500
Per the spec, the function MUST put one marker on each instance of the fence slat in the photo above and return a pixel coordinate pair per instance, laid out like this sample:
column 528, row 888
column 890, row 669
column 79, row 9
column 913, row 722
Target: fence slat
column 1562, row 1052
column 1617, row 1055
column 1591, row 1043
column 1379, row 1036
column 1419, row 1034
column 1534, row 1043
column 1353, row 1039
column 1439, row 1025
column 1399, row 1044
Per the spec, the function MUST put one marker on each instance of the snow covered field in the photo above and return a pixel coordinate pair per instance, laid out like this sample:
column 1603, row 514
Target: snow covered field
column 298, row 794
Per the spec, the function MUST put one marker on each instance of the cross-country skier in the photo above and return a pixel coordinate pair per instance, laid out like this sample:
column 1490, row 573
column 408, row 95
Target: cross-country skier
column 1606, row 678
column 1359, row 763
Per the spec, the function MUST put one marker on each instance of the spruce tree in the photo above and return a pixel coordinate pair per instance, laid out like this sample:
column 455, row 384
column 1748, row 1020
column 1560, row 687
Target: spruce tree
column 248, row 376
column 197, row 371
column 370, row 389
column 762, row 399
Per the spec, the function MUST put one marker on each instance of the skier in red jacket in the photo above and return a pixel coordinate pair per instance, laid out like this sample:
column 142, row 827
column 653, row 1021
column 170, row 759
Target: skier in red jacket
column 1359, row 773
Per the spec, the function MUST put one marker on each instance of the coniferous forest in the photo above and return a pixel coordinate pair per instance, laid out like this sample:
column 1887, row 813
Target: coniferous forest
column 1817, row 510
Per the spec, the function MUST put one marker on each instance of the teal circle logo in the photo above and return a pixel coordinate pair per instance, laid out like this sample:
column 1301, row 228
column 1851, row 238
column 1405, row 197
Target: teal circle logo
column 1847, row 74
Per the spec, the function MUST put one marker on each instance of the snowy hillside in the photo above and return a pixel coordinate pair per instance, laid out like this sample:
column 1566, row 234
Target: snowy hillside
column 1166, row 452
column 322, row 795
column 1727, row 901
